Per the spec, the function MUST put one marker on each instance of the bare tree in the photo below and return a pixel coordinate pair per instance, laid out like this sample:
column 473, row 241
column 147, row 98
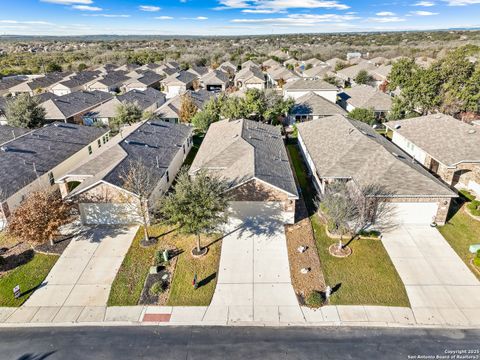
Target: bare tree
column 138, row 181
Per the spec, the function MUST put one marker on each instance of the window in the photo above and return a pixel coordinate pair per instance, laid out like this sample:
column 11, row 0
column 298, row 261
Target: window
column 168, row 177
column 51, row 178
column 183, row 149
column 104, row 140
column 99, row 142
column 90, row 150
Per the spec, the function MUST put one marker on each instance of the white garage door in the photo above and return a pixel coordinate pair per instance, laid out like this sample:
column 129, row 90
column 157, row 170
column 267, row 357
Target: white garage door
column 415, row 213
column 269, row 210
column 106, row 214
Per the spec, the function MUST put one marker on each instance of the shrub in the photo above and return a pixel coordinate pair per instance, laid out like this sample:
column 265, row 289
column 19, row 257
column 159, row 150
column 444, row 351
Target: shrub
column 476, row 260
column 369, row 233
column 159, row 257
column 314, row 299
column 157, row 288
column 467, row 195
column 474, row 207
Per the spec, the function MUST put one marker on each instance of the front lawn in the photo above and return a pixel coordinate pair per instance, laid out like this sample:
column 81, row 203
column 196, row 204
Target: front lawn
column 367, row 277
column 197, row 141
column 128, row 284
column 29, row 276
column 461, row 231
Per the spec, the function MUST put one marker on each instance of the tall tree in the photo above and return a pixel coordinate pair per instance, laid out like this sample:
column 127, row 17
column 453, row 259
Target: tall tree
column 39, row 216
column 363, row 78
column 127, row 114
column 199, row 205
column 187, row 108
column 25, row 111
column 364, row 115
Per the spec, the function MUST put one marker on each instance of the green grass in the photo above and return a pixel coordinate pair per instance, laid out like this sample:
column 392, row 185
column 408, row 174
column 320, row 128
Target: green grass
column 461, row 231
column 128, row 284
column 301, row 173
column 28, row 276
column 197, row 141
column 367, row 277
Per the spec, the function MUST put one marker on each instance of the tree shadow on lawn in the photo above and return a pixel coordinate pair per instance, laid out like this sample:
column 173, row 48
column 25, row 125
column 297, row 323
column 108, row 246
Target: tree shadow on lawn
column 13, row 261
column 35, row 288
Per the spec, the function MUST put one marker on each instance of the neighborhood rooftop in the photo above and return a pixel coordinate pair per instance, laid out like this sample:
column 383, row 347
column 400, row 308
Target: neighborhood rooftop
column 443, row 137
column 241, row 150
column 345, row 148
column 309, row 84
column 24, row 159
column 314, row 104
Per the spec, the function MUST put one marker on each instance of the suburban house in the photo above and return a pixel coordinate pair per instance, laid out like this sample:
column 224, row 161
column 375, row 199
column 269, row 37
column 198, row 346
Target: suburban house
column 277, row 77
column 350, row 73
column 178, row 83
column 270, row 63
column 380, row 74
column 215, row 81
column 34, row 160
column 340, row 149
column 170, row 110
column 279, row 54
column 229, row 67
column 111, row 82
column 147, row 79
column 7, row 83
column 75, row 83
column 366, row 97
column 444, row 145
column 312, row 106
column 71, row 107
column 252, row 158
column 100, row 186
column 39, row 84
column 198, row 71
column 301, row 87
column 318, row 72
column 147, row 101
column 250, row 78
column 249, row 63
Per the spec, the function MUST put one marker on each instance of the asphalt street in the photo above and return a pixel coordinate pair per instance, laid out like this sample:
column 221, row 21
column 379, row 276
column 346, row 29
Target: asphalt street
column 172, row 343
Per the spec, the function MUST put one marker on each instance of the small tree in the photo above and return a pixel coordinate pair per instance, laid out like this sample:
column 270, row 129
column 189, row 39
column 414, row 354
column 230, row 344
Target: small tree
column 187, row 108
column 199, row 205
column 137, row 179
column 363, row 78
column 363, row 115
column 127, row 114
column 53, row 67
column 25, row 111
column 331, row 80
column 39, row 216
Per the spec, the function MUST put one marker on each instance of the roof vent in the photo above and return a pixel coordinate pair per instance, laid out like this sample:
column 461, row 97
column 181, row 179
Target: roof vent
column 398, row 126
column 5, row 148
column 438, row 116
column 472, row 131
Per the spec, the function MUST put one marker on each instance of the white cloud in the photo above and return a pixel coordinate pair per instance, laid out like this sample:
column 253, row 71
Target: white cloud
column 149, row 8
column 281, row 4
column 424, row 3
column 87, row 8
column 45, row 23
column 385, row 13
column 299, row 20
column 164, row 18
column 423, row 13
column 201, row 18
column 462, row 2
column 69, row 2
column 386, row 19
column 262, row 11
column 108, row 15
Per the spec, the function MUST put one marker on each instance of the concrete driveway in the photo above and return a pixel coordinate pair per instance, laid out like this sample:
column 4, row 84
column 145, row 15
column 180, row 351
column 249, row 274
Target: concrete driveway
column 439, row 285
column 254, row 276
column 84, row 273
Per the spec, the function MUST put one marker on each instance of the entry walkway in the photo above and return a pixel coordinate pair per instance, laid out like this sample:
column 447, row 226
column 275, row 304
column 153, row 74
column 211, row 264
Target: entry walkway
column 83, row 275
column 254, row 277
column 439, row 285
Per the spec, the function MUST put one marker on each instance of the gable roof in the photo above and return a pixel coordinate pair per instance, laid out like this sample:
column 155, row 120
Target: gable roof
column 242, row 150
column 66, row 106
column 277, row 73
column 215, row 77
column 154, row 144
column 446, row 139
column 39, row 151
column 8, row 133
column 351, row 72
column 171, row 108
column 345, row 148
column 314, row 104
column 80, row 79
column 180, row 78
column 251, row 75
column 309, row 84
column 366, row 97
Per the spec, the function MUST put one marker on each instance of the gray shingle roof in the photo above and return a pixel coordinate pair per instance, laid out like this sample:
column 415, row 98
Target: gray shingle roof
column 314, row 104
column 366, row 97
column 308, row 84
column 171, row 108
column 241, row 150
column 344, row 148
column 181, row 77
column 42, row 149
column 74, row 103
column 8, row 133
column 154, row 144
column 445, row 138
column 80, row 79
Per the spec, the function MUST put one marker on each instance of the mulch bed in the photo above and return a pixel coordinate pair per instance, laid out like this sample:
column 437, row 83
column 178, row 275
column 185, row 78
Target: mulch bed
column 301, row 234
column 16, row 255
column 57, row 248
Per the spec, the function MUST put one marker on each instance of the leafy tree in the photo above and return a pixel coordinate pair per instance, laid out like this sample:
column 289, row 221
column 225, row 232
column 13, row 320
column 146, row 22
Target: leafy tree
column 331, row 80
column 53, row 67
column 39, row 216
column 199, row 205
column 82, row 67
column 363, row 78
column 187, row 108
column 340, row 65
column 202, row 120
column 402, row 73
column 127, row 114
column 24, row 111
column 364, row 115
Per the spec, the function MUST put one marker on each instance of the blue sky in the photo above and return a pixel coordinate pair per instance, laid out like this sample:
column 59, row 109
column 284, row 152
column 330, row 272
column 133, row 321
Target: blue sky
column 231, row 17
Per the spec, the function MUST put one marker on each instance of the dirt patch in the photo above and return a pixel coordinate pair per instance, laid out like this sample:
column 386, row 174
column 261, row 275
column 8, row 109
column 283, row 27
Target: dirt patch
column 301, row 235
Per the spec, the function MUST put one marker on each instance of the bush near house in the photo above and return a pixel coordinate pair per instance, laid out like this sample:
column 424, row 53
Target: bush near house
column 467, row 195
column 474, row 207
